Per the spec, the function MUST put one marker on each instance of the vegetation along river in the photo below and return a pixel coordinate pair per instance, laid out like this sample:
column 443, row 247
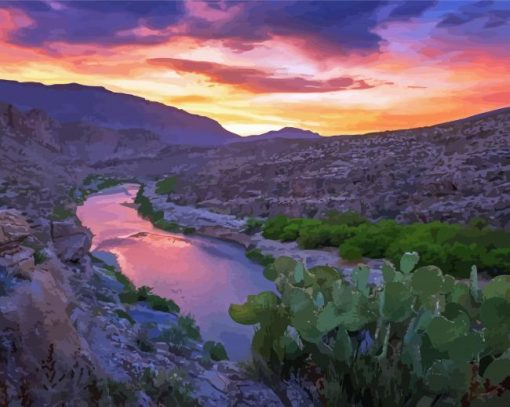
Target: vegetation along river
column 203, row 276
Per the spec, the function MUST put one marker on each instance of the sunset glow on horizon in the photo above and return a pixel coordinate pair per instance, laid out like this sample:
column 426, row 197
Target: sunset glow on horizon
column 330, row 67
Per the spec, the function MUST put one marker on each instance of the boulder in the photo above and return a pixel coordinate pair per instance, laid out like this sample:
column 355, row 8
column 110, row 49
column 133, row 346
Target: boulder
column 18, row 262
column 71, row 240
column 14, row 258
column 13, row 228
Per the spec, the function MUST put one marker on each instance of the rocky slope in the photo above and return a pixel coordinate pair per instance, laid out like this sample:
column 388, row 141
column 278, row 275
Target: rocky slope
column 450, row 172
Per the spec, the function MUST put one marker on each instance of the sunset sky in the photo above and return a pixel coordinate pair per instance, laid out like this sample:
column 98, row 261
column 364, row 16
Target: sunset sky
column 334, row 67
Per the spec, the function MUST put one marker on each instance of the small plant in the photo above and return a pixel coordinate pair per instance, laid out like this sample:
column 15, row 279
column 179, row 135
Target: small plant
column 189, row 326
column 215, row 351
column 158, row 303
column 253, row 226
column 168, row 388
column 143, row 341
column 179, row 335
column 256, row 256
column 166, row 186
column 39, row 257
column 61, row 213
column 128, row 297
column 124, row 315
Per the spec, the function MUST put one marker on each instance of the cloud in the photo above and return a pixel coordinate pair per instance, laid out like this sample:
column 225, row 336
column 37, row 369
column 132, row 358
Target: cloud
column 258, row 80
column 81, row 22
column 332, row 26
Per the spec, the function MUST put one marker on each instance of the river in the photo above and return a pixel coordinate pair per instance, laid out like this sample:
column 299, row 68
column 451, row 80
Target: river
column 203, row 276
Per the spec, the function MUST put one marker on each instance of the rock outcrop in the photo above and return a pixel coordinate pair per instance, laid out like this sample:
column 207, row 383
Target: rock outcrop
column 71, row 240
column 16, row 259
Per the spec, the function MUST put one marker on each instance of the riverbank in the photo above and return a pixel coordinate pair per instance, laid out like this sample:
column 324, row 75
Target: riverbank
column 232, row 229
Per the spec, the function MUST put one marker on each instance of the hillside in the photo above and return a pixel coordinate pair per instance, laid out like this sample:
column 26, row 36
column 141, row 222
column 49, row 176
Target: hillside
column 454, row 171
column 99, row 106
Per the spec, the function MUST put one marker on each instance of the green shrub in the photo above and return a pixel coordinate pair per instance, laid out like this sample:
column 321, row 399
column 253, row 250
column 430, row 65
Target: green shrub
column 188, row 230
column 350, row 252
column 61, row 213
column 419, row 336
column 168, row 388
column 124, row 315
column 39, row 257
column 128, row 297
column 166, row 186
column 451, row 247
column 215, row 351
column 258, row 257
column 189, row 326
column 142, row 340
column 253, row 226
column 143, row 293
column 158, row 303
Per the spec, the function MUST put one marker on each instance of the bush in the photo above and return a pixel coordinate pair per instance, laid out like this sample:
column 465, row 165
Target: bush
column 215, row 351
column 143, row 341
column 350, row 252
column 253, row 226
column 258, row 257
column 124, row 315
column 166, row 186
column 158, row 303
column 420, row 336
column 450, row 246
column 189, row 326
column 39, row 257
column 128, row 297
column 61, row 213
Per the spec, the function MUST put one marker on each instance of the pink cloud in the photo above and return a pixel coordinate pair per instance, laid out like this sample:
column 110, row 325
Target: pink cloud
column 258, row 80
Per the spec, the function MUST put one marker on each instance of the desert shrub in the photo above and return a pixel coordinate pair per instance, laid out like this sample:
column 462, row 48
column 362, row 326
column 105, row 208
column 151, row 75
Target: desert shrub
column 158, row 303
column 39, row 257
column 124, row 315
column 419, row 336
column 61, row 213
column 189, row 326
column 257, row 256
column 128, row 297
column 143, row 341
column 215, row 351
column 452, row 247
column 350, row 252
column 168, row 388
column 166, row 186
column 253, row 226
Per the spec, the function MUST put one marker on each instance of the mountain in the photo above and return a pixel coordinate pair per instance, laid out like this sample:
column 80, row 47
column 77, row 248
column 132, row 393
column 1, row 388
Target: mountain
column 285, row 133
column 101, row 107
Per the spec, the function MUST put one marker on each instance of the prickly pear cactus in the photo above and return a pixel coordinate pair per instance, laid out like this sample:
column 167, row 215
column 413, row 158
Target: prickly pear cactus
column 421, row 333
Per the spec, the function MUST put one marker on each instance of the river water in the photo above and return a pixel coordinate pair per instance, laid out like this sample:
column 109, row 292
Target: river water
column 203, row 276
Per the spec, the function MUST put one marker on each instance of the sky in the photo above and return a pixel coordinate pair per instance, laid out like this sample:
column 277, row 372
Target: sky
column 334, row 67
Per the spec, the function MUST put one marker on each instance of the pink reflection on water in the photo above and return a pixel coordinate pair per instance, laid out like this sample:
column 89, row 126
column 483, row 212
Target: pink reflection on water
column 203, row 276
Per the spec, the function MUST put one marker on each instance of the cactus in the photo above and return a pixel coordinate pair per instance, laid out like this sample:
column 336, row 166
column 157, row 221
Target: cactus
column 422, row 331
column 396, row 302
column 474, row 290
column 408, row 262
column 360, row 277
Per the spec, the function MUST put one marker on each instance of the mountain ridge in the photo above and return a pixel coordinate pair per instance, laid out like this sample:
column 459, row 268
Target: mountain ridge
column 100, row 106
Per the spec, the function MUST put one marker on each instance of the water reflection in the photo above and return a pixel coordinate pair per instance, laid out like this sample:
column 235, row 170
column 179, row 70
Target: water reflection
column 204, row 276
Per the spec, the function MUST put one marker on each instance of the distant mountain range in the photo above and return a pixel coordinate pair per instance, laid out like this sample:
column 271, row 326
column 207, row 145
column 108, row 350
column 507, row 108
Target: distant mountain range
column 99, row 106
column 286, row 133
